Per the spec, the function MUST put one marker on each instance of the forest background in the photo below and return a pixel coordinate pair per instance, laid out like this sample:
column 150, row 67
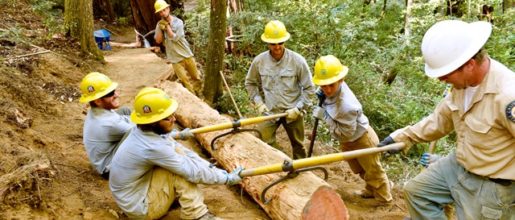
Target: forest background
column 378, row 40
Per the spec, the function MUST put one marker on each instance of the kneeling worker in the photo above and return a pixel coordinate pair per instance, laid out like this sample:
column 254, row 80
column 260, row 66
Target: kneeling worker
column 150, row 170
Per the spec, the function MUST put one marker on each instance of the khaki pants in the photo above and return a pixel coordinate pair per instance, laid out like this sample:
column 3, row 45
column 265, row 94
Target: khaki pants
column 163, row 189
column 368, row 167
column 294, row 129
column 186, row 70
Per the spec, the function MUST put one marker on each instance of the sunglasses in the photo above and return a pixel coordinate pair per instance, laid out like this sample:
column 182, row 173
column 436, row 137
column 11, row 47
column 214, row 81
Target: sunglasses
column 109, row 94
column 276, row 44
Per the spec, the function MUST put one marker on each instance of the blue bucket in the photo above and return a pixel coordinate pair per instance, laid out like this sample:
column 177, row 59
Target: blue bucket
column 102, row 36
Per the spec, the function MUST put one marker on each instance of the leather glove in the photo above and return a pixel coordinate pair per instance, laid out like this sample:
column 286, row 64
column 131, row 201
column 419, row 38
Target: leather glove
column 234, row 176
column 428, row 159
column 162, row 24
column 292, row 114
column 262, row 108
column 182, row 135
column 387, row 141
column 319, row 113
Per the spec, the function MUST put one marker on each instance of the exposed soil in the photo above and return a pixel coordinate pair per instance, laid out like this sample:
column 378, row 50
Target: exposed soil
column 44, row 170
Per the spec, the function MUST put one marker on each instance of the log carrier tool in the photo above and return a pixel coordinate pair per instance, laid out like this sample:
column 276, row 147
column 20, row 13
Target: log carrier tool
column 307, row 164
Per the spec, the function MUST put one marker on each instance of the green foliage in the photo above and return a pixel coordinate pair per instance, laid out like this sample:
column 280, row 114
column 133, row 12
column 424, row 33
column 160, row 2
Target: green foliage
column 52, row 15
column 122, row 20
column 372, row 43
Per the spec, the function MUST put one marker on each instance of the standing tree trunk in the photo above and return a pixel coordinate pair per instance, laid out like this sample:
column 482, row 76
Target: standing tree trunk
column 145, row 18
column 104, row 8
column 78, row 20
column 215, row 51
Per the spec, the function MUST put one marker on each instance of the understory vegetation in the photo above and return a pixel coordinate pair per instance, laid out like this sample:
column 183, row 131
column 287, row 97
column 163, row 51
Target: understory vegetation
column 386, row 65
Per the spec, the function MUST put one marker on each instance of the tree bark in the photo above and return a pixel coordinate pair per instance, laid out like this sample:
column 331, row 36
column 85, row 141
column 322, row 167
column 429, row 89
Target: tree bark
column 215, row 51
column 78, row 20
column 289, row 199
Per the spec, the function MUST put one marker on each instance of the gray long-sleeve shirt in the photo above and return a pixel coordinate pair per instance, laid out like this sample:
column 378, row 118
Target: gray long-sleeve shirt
column 132, row 167
column 285, row 83
column 177, row 47
column 344, row 115
column 102, row 133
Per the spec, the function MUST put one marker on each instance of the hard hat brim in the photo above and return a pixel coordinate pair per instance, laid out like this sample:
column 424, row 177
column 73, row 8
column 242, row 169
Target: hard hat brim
column 481, row 31
column 154, row 118
column 86, row 99
column 275, row 41
column 162, row 8
column 323, row 82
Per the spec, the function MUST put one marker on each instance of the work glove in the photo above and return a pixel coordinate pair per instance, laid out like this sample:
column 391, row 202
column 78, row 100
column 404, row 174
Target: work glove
column 319, row 113
column 262, row 108
column 234, row 176
column 292, row 114
column 182, row 135
column 320, row 94
column 428, row 159
column 387, row 141
column 162, row 24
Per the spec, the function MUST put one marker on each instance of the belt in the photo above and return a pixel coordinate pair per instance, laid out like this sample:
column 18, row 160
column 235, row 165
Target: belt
column 503, row 182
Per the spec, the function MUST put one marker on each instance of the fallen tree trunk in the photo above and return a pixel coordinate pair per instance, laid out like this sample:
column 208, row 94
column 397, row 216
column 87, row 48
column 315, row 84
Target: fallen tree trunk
column 288, row 199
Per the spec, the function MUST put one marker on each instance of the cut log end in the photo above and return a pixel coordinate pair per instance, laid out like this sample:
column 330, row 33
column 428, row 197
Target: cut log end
column 325, row 204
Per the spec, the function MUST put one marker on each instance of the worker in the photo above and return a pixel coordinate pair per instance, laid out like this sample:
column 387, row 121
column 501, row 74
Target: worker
column 347, row 123
column 170, row 31
column 106, row 124
column 284, row 78
column 150, row 169
column 478, row 176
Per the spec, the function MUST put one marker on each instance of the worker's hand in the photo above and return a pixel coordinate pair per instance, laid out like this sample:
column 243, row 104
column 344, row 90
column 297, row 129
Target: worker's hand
column 387, row 141
column 319, row 112
column 428, row 159
column 162, row 24
column 320, row 94
column 262, row 108
column 292, row 114
column 234, row 177
column 182, row 135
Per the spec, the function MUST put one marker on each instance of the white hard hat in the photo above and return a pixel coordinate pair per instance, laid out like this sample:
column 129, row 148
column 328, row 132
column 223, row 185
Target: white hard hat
column 449, row 44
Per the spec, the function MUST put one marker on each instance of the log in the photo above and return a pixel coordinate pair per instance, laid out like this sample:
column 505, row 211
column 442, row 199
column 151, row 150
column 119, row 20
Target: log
column 288, row 199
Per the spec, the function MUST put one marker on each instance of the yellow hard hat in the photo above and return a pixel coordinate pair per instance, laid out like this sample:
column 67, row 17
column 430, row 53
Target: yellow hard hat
column 275, row 32
column 151, row 105
column 160, row 5
column 94, row 86
column 328, row 70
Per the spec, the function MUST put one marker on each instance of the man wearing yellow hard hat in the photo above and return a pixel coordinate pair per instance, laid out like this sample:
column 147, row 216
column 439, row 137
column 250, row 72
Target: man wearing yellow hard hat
column 170, row 32
column 284, row 78
column 479, row 176
column 344, row 116
column 104, row 128
column 150, row 169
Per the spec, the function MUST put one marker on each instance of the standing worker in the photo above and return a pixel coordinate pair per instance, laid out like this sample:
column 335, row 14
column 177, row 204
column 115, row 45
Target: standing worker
column 150, row 170
column 344, row 115
column 104, row 128
column 283, row 76
column 170, row 30
column 478, row 177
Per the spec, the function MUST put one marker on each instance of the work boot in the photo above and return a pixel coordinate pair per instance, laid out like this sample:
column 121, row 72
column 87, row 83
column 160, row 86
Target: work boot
column 209, row 216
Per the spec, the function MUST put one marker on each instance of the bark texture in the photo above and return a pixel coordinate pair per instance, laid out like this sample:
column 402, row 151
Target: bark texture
column 288, row 199
column 78, row 20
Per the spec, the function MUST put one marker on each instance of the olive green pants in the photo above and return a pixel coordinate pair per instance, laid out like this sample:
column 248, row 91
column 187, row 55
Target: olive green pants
column 294, row 129
column 368, row 167
column 187, row 72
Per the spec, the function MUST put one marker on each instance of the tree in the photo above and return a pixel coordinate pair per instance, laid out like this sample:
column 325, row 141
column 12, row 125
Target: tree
column 215, row 51
column 104, row 7
column 78, row 21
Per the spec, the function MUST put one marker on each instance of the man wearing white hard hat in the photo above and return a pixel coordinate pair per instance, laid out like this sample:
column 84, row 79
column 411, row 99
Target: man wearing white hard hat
column 478, row 176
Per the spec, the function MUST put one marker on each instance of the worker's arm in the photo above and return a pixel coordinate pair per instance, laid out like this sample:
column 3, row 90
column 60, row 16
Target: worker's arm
column 158, row 35
column 252, row 81
column 306, row 84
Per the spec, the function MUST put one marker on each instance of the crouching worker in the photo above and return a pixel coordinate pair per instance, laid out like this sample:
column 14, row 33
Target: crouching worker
column 344, row 115
column 150, row 170
column 106, row 124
